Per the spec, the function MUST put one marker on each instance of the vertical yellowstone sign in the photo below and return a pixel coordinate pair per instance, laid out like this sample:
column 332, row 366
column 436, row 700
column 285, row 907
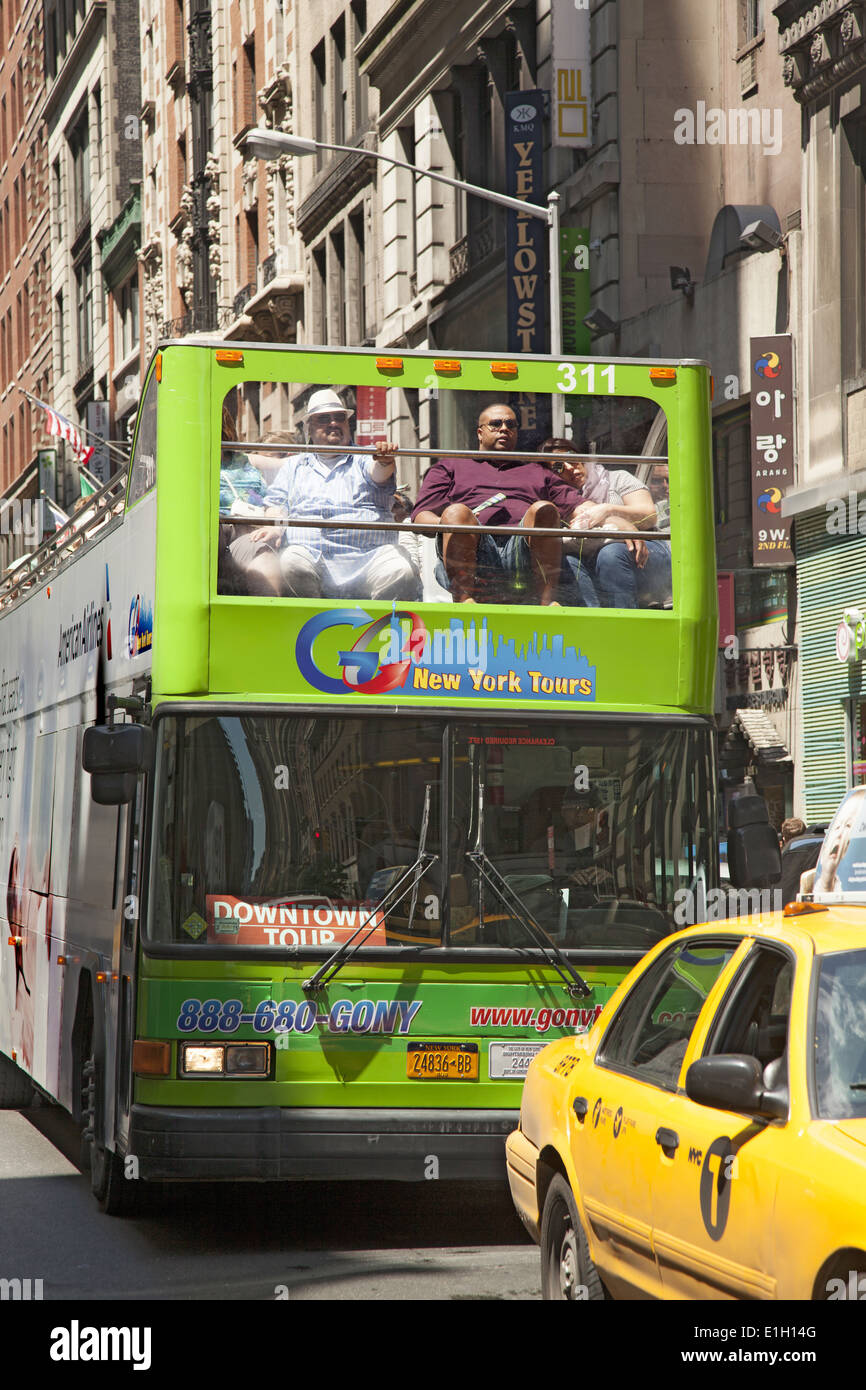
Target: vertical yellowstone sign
column 526, row 236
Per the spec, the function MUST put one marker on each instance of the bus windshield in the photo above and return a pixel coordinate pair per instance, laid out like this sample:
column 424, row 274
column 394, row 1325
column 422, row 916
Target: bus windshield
column 292, row 831
column 307, row 510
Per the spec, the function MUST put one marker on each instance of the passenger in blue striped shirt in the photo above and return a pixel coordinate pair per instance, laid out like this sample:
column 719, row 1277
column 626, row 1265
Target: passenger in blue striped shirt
column 331, row 562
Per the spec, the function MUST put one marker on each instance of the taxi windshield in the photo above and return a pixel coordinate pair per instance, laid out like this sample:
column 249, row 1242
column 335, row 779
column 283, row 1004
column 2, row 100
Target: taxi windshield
column 840, row 1036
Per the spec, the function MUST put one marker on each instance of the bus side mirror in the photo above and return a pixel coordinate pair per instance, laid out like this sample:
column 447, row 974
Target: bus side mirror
column 754, row 857
column 115, row 756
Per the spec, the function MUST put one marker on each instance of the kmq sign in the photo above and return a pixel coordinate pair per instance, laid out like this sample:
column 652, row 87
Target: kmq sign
column 526, row 235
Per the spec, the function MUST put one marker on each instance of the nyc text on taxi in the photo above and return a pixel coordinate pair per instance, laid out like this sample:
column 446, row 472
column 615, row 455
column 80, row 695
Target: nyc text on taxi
column 707, row 1138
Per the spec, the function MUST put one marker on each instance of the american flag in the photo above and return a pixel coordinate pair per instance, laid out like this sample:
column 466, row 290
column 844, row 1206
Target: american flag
column 57, row 514
column 64, row 429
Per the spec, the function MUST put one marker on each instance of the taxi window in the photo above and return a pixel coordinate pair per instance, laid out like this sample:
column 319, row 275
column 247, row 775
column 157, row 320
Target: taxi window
column 650, row 1034
column 754, row 1018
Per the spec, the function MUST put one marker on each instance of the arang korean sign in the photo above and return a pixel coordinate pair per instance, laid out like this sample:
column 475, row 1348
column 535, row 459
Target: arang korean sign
column 772, row 447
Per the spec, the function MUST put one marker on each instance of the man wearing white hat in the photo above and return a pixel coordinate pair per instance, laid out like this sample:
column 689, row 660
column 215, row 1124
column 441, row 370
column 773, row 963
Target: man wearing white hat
column 326, row 486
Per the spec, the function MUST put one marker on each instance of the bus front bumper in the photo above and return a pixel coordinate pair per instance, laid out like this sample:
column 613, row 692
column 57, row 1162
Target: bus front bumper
column 270, row 1144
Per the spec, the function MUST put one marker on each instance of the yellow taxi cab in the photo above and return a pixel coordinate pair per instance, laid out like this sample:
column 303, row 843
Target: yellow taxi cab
column 707, row 1137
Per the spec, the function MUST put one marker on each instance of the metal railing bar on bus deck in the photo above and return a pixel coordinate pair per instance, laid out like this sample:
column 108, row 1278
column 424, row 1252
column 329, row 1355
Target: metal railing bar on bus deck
column 52, row 550
column 254, row 448
column 427, row 529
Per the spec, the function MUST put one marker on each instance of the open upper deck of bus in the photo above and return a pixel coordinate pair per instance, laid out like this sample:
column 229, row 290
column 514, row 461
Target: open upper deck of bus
column 418, row 650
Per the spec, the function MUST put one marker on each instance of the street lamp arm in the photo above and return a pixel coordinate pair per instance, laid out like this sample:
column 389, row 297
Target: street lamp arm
column 268, row 143
column 301, row 145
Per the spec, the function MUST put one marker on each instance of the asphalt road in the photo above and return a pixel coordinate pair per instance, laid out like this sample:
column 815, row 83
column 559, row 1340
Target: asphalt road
column 311, row 1241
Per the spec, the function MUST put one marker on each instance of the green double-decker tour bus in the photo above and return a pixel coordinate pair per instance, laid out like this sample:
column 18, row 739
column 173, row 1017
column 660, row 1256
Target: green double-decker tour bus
column 316, row 823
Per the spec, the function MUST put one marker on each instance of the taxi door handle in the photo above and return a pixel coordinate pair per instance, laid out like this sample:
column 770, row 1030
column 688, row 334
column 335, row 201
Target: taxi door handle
column 580, row 1106
column 667, row 1139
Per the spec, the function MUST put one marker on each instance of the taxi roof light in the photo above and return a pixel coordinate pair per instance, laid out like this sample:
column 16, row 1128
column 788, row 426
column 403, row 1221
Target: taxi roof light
column 800, row 909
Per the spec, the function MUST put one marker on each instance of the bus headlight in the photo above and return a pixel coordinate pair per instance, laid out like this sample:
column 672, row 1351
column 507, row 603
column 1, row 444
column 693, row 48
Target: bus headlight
column 225, row 1059
column 248, row 1059
column 197, row 1061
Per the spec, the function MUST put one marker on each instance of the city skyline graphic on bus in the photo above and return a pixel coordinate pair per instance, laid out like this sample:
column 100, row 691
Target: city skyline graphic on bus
column 399, row 651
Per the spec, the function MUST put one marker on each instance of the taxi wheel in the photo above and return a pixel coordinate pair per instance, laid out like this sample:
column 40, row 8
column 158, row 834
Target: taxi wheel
column 567, row 1272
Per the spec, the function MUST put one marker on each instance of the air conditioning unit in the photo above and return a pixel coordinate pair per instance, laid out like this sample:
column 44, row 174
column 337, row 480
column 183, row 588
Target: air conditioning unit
column 748, row 67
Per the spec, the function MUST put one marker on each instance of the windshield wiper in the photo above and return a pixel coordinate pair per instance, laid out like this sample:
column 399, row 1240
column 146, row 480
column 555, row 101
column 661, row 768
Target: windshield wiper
column 488, row 873
column 415, row 873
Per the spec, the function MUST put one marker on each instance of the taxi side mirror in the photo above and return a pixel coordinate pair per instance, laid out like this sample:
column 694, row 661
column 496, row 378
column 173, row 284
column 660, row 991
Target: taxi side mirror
column 734, row 1081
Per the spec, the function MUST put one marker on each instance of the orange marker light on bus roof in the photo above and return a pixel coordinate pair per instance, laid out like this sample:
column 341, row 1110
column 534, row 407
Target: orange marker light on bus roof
column 504, row 368
column 230, row 357
column 150, row 1058
column 663, row 373
column 389, row 364
column 158, row 368
column 446, row 364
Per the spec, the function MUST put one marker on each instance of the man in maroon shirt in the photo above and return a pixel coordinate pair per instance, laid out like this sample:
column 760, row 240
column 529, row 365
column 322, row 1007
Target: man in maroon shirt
column 497, row 490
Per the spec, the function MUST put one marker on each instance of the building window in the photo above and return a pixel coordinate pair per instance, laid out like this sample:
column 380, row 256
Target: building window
column 97, row 131
column 252, row 239
column 79, row 149
column 248, row 79
column 338, row 243
column 406, row 136
column 320, row 295
column 341, row 81
column 761, row 596
column 458, row 153
column 84, row 311
column 126, row 301
column 61, row 335
column 320, row 130
column 362, row 85
column 754, row 19
column 359, row 296
column 57, row 190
